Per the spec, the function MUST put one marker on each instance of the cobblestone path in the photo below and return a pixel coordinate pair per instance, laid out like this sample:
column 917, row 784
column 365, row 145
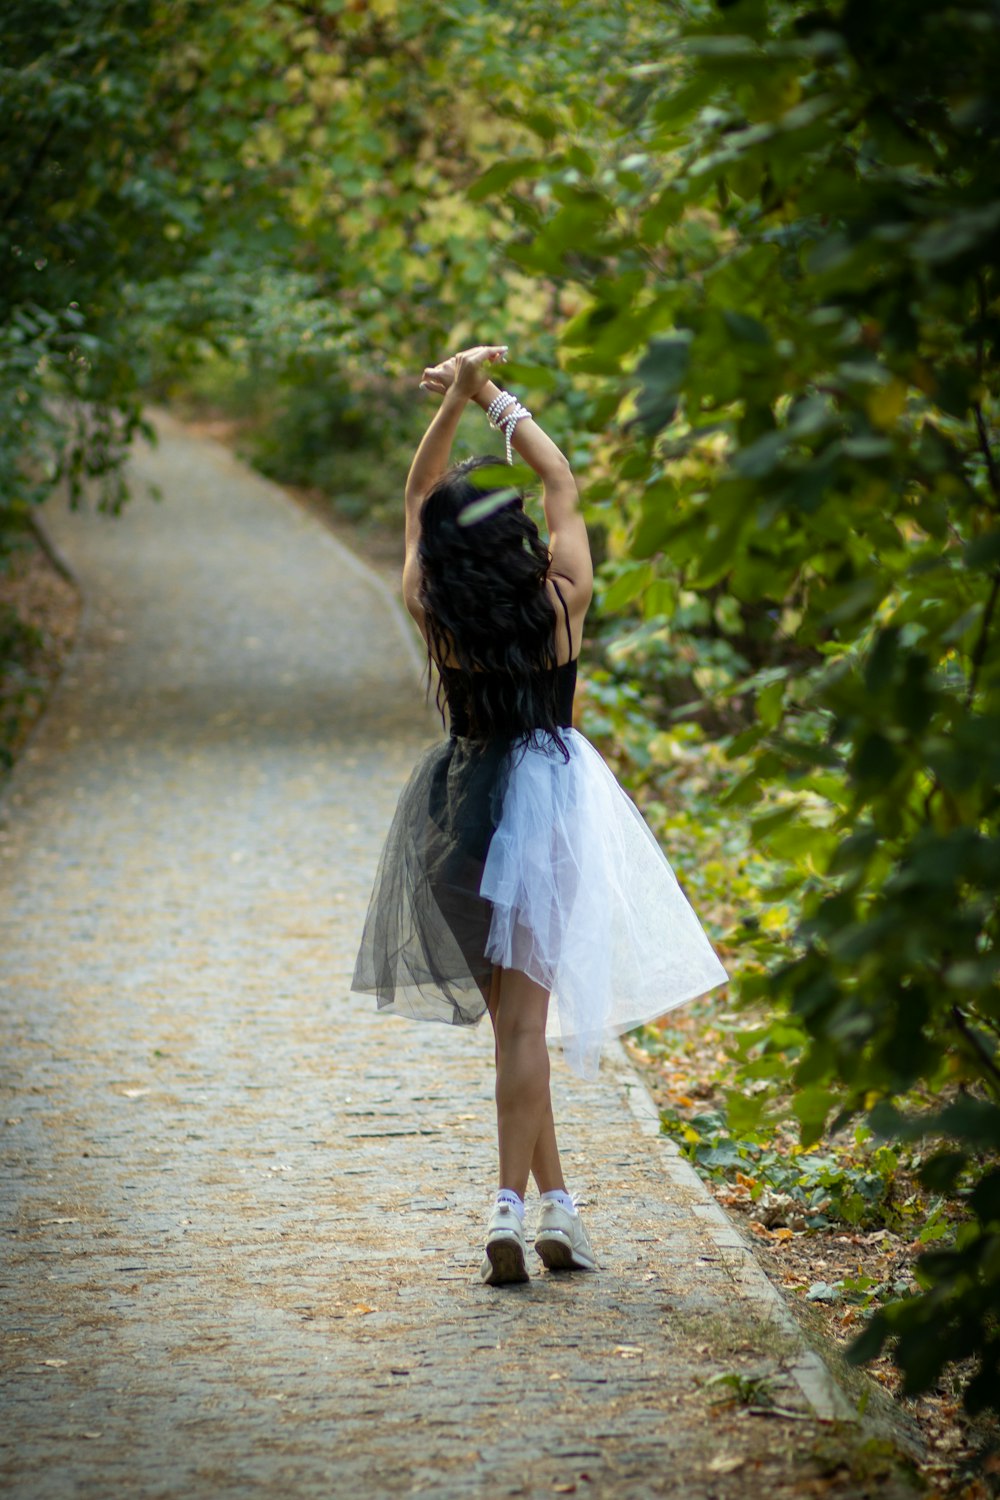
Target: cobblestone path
column 241, row 1213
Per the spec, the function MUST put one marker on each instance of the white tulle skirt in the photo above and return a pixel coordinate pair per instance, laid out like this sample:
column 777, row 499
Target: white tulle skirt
column 585, row 902
column 525, row 859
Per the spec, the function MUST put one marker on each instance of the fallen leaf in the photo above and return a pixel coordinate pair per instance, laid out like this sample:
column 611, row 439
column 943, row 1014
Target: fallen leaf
column 360, row 1309
column 724, row 1464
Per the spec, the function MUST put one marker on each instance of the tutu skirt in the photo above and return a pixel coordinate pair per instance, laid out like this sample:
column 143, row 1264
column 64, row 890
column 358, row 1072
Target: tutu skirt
column 516, row 856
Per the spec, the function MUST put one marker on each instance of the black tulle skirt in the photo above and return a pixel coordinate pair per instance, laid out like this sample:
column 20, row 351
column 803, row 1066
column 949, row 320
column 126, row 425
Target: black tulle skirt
column 424, row 947
column 517, row 856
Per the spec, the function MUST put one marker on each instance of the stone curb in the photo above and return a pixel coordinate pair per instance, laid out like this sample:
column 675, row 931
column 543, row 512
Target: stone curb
column 880, row 1418
column 818, row 1386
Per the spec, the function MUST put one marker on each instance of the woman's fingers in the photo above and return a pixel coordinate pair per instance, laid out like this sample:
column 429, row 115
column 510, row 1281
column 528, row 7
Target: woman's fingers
column 436, row 378
column 468, row 367
column 443, row 373
column 489, row 352
column 471, row 372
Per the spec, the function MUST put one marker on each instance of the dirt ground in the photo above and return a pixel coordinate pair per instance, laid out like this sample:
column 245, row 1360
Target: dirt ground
column 39, row 613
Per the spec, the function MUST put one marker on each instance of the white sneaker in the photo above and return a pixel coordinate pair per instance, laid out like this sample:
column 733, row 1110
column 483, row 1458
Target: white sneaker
column 561, row 1240
column 506, row 1253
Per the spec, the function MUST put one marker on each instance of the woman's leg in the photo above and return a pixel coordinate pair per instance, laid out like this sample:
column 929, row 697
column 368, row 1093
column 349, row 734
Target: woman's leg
column 525, row 1125
column 546, row 1168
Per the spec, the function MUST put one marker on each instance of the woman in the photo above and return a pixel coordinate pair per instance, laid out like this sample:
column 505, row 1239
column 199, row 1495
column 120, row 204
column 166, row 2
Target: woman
column 516, row 870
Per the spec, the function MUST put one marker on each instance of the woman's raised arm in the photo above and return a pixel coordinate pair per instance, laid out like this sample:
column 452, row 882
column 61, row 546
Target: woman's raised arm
column 460, row 379
column 569, row 544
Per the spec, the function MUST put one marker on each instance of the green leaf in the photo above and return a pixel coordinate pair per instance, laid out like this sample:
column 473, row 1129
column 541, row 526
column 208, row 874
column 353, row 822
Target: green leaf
column 535, row 377
column 941, row 1171
column 629, row 584
column 657, row 519
column 869, row 1343
column 984, row 551
column 770, row 701
column 744, row 1112
column 811, row 1106
column 660, row 599
column 876, row 759
column 665, row 211
column 823, row 1291
column 744, row 329
column 517, row 476
column 479, row 510
column 962, row 231
column 661, row 371
column 501, row 174
column 761, row 828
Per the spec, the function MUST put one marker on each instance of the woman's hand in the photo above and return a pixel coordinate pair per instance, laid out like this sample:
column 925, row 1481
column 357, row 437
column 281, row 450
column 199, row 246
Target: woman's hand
column 439, row 378
column 467, row 371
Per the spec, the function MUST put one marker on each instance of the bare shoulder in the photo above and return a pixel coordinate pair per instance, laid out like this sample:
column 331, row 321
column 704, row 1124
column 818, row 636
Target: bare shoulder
column 569, row 598
column 574, row 593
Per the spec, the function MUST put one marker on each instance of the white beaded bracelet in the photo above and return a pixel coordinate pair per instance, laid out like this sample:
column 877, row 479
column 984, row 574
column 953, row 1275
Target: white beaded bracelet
column 503, row 414
column 500, row 401
column 508, row 421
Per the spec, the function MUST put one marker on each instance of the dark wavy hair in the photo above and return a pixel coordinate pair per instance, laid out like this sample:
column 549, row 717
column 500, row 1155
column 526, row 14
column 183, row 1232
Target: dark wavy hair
column 490, row 621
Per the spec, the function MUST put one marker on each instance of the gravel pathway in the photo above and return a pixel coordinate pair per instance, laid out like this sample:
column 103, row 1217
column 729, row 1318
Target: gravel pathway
column 241, row 1213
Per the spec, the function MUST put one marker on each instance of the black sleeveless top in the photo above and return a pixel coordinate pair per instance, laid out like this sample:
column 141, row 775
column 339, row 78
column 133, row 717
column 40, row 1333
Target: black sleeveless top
column 456, row 684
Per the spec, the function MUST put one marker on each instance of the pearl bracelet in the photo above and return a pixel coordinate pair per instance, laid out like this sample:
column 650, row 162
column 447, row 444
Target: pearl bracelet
column 503, row 414
column 501, row 400
column 512, row 414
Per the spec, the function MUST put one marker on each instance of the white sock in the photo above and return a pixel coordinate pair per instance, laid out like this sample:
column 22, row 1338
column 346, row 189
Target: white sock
column 512, row 1200
column 557, row 1195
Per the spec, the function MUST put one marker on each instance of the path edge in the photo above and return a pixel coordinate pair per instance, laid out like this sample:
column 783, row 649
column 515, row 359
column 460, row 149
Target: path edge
column 60, row 562
column 163, row 415
column 819, row 1387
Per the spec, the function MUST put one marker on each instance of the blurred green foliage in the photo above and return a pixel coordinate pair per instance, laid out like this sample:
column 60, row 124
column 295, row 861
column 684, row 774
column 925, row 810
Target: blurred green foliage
column 746, row 257
column 282, row 188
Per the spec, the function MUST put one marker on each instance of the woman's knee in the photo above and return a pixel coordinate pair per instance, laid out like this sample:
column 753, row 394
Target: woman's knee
column 521, row 1030
column 520, row 1012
